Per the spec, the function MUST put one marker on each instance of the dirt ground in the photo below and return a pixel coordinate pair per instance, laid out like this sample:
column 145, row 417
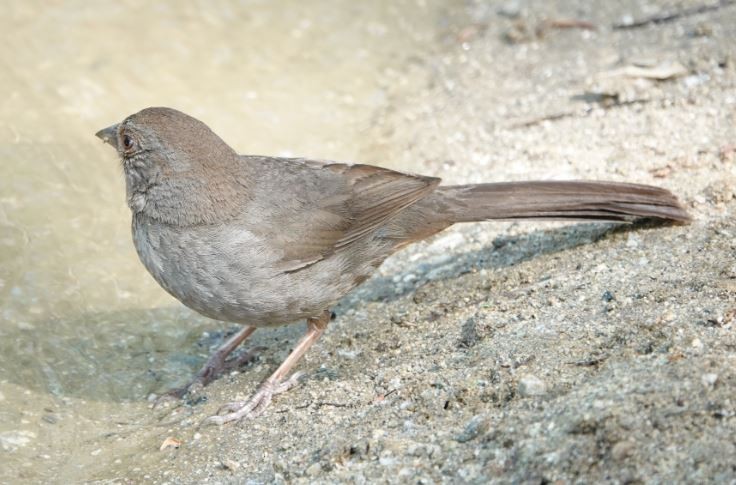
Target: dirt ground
column 513, row 352
column 528, row 353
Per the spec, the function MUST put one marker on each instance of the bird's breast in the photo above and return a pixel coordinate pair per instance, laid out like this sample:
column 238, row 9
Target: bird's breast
column 228, row 273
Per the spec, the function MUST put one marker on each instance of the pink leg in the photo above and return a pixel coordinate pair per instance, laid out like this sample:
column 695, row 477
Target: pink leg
column 276, row 384
column 214, row 366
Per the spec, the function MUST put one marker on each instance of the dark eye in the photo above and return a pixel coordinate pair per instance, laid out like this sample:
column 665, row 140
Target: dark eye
column 127, row 142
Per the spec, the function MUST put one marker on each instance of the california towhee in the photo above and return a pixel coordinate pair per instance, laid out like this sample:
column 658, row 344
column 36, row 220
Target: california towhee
column 265, row 241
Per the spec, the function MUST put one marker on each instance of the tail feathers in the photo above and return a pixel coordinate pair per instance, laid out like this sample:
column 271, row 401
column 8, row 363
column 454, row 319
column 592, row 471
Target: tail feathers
column 581, row 200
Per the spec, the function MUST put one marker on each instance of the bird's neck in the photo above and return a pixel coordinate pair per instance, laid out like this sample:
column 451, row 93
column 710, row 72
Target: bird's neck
column 196, row 197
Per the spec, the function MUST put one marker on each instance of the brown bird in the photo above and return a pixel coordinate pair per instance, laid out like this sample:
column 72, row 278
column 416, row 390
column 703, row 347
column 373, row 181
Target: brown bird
column 265, row 241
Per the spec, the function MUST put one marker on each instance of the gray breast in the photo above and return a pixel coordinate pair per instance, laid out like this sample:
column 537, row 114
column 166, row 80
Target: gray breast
column 229, row 275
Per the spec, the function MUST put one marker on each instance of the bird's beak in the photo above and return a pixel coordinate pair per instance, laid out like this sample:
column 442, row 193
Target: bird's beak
column 109, row 135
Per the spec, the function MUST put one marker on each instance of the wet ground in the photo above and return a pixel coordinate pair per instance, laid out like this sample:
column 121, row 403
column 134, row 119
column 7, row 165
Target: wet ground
column 510, row 352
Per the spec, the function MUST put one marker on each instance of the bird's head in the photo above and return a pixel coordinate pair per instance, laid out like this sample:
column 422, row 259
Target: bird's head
column 176, row 169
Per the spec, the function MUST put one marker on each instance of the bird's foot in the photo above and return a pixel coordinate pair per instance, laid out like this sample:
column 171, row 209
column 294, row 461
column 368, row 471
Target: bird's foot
column 255, row 406
column 215, row 366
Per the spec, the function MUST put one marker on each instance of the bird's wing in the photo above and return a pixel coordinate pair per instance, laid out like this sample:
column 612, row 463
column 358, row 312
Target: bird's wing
column 378, row 194
column 337, row 205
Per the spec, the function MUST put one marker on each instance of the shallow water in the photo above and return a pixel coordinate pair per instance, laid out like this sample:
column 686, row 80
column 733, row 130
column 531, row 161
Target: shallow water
column 85, row 334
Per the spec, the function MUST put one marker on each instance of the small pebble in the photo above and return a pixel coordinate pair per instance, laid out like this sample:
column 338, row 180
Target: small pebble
column 622, row 450
column 348, row 353
column 314, row 469
column 510, row 9
column 667, row 316
column 478, row 425
column 709, row 380
column 387, row 458
column 230, row 465
column 530, row 385
column 50, row 418
column 626, row 19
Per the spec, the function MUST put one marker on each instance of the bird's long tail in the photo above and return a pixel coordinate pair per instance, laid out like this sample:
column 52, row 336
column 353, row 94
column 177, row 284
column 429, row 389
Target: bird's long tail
column 581, row 200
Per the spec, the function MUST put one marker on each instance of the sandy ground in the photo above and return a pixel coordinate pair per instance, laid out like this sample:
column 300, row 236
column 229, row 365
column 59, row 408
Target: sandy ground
column 513, row 352
column 516, row 353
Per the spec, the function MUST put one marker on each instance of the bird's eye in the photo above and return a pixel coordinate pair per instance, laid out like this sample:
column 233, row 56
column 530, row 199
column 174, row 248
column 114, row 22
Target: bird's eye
column 127, row 142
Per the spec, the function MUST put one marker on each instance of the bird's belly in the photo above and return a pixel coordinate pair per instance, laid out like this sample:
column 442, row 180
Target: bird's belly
column 227, row 278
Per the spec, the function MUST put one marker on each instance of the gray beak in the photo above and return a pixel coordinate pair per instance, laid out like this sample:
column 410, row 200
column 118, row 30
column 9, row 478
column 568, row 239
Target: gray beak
column 109, row 135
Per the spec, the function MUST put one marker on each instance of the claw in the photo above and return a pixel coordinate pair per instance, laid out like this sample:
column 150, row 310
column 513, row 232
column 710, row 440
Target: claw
column 256, row 405
column 288, row 383
column 231, row 407
column 213, row 421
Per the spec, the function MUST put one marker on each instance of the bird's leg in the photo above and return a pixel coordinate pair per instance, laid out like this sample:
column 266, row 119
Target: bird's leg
column 277, row 383
column 214, row 366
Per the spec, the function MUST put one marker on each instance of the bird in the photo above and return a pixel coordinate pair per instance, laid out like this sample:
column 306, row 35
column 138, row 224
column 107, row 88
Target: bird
column 265, row 241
